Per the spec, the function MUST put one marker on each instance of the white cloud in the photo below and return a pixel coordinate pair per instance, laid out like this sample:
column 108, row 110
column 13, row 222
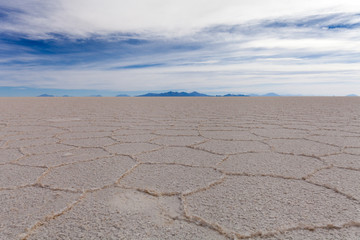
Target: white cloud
column 308, row 44
column 164, row 17
column 173, row 15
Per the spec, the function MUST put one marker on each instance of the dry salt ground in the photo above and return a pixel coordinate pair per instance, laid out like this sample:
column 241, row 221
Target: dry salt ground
column 180, row 168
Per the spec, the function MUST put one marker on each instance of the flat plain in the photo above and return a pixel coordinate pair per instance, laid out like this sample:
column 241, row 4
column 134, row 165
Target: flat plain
column 180, row 168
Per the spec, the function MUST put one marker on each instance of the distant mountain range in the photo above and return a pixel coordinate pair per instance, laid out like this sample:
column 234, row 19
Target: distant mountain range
column 179, row 94
column 197, row 94
column 175, row 94
column 185, row 94
column 235, row 95
column 46, row 95
column 48, row 92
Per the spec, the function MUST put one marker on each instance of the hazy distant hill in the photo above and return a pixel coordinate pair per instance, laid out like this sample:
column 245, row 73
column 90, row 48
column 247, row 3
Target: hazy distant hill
column 122, row 95
column 352, row 95
column 175, row 94
column 235, row 95
column 45, row 95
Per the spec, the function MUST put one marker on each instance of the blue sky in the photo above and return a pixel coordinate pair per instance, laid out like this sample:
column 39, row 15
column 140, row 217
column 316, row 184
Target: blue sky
column 219, row 46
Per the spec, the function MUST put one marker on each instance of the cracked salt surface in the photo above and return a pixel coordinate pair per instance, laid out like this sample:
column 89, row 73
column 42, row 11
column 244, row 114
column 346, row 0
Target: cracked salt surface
column 116, row 213
column 270, row 164
column 181, row 155
column 253, row 205
column 202, row 168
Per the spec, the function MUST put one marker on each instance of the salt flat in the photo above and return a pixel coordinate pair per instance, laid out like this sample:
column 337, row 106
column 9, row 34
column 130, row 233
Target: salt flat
column 180, row 168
